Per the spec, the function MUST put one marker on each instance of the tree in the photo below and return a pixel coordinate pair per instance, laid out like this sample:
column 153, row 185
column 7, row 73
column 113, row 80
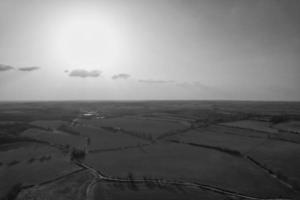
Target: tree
column 279, row 119
column 77, row 154
column 14, row 191
column 132, row 184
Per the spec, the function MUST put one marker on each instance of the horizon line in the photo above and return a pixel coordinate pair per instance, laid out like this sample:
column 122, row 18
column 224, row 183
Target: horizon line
column 147, row 100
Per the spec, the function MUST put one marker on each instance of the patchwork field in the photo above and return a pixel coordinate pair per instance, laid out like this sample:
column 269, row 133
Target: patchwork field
column 227, row 141
column 31, row 164
column 115, row 191
column 281, row 157
column 138, row 126
column 55, row 137
column 212, row 150
column 49, row 124
column 252, row 125
column 172, row 161
column 292, row 127
column 100, row 139
column 73, row 187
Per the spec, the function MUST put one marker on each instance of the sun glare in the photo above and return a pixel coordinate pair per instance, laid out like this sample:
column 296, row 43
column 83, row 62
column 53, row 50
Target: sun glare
column 89, row 41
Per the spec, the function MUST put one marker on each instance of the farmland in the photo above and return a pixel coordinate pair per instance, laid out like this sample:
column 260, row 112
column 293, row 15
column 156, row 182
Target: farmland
column 149, row 150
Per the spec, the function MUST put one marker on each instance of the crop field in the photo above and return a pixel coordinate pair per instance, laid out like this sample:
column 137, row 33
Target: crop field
column 292, row 126
column 143, row 191
column 212, row 138
column 171, row 161
column 275, row 155
column 237, row 131
column 100, row 139
column 138, row 126
column 72, row 186
column 55, row 137
column 212, row 150
column 49, row 124
column 31, row 164
column 253, row 125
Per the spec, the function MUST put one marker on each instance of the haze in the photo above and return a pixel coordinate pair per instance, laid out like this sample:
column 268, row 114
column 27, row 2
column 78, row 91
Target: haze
column 136, row 50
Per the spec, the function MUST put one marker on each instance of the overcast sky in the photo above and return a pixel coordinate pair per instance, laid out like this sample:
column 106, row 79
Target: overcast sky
column 135, row 49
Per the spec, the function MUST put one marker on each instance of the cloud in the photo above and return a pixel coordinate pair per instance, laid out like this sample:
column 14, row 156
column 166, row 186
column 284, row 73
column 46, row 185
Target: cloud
column 28, row 69
column 120, row 76
column 25, row 69
column 184, row 84
column 196, row 84
column 155, row 81
column 82, row 73
column 213, row 92
column 5, row 67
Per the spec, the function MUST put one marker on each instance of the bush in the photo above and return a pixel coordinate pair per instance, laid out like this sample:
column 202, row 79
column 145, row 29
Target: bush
column 132, row 185
column 279, row 119
column 13, row 192
column 14, row 162
column 31, row 160
column 149, row 183
column 77, row 154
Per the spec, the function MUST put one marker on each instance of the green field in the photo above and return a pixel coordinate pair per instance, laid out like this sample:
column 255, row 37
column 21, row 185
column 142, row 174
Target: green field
column 100, row 139
column 137, row 126
column 32, row 164
column 149, row 150
column 172, row 161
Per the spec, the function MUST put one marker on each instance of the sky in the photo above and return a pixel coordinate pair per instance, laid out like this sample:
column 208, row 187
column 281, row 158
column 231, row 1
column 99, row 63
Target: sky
column 150, row 50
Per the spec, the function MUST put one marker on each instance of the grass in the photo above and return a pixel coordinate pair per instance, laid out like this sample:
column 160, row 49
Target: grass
column 211, row 160
column 208, row 136
column 281, row 157
column 138, row 126
column 182, row 162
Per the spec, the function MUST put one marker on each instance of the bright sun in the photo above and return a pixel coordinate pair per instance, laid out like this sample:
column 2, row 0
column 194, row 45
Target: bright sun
column 89, row 41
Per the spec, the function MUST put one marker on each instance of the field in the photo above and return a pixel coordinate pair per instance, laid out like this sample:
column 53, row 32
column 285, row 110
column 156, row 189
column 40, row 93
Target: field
column 292, row 126
column 276, row 154
column 141, row 127
column 149, row 150
column 252, row 125
column 55, row 137
column 179, row 162
column 32, row 164
column 142, row 191
column 100, row 139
